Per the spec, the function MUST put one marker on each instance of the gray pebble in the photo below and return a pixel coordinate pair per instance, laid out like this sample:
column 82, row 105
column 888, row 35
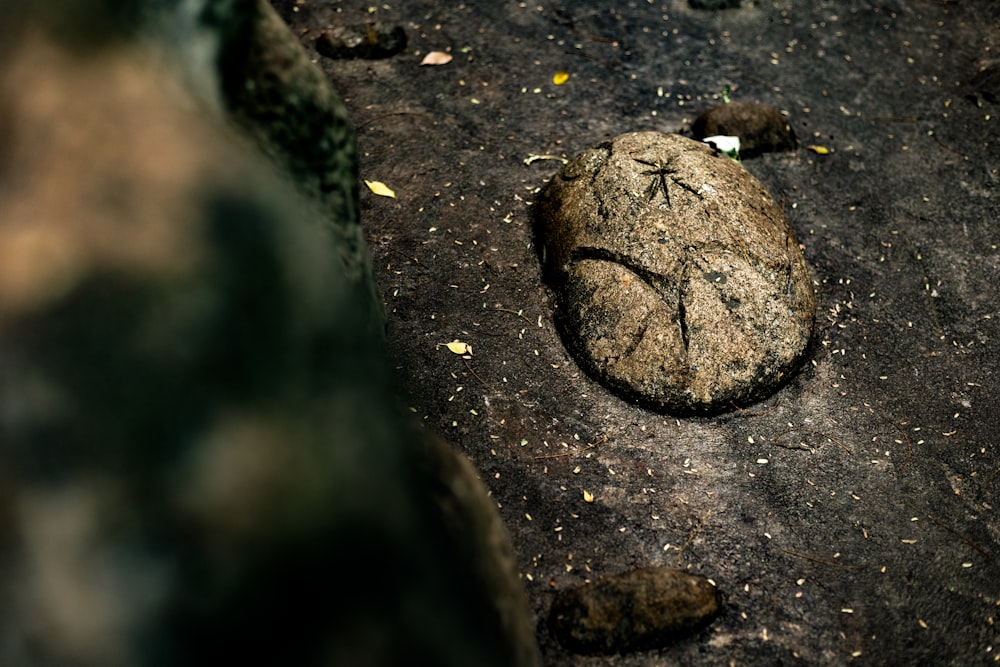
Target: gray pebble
column 633, row 611
column 681, row 283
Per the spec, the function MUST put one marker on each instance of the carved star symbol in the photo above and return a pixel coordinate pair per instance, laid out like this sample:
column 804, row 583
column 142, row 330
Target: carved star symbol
column 661, row 171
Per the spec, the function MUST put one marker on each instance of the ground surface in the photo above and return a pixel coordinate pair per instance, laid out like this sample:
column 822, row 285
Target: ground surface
column 852, row 516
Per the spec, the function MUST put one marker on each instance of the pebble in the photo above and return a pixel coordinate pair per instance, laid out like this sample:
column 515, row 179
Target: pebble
column 714, row 5
column 986, row 84
column 370, row 41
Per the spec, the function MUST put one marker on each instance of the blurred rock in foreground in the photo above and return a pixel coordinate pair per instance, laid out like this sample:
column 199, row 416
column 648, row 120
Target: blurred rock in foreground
column 201, row 461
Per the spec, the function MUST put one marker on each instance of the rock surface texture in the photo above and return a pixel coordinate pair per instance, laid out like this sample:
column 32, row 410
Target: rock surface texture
column 641, row 609
column 681, row 284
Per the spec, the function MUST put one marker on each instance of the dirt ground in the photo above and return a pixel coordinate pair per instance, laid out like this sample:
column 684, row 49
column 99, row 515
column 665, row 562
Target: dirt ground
column 851, row 517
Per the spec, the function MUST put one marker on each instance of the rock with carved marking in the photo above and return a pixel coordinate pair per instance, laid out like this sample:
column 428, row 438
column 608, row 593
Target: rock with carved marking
column 681, row 285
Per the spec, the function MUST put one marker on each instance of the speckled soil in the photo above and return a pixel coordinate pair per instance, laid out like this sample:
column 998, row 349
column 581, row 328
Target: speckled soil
column 852, row 516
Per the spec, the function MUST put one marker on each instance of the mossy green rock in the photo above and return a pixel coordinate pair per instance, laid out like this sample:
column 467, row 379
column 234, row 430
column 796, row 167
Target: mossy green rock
column 681, row 285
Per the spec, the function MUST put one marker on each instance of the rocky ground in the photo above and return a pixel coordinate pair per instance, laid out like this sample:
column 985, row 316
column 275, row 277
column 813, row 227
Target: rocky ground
column 852, row 516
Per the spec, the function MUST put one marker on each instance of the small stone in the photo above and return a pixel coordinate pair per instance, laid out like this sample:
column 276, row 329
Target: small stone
column 714, row 5
column 370, row 41
column 761, row 128
column 633, row 611
column 986, row 83
column 681, row 284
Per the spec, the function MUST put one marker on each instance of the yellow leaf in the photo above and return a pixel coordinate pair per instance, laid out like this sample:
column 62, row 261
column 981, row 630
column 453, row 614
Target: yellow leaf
column 436, row 58
column 380, row 188
column 458, row 347
column 560, row 78
column 819, row 150
column 588, row 497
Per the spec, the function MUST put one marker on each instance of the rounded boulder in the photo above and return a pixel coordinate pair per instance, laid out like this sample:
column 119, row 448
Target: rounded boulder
column 681, row 285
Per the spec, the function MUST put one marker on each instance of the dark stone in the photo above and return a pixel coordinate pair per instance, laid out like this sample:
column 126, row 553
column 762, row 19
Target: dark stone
column 986, row 83
column 370, row 41
column 714, row 4
column 761, row 128
column 634, row 611
column 681, row 283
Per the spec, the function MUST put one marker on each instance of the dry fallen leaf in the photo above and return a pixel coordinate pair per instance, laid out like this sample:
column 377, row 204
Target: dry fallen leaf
column 533, row 158
column 380, row 188
column 436, row 58
column 458, row 347
column 560, row 78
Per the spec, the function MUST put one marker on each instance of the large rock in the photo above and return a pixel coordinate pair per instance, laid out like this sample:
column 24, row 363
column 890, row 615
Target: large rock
column 681, row 283
column 202, row 461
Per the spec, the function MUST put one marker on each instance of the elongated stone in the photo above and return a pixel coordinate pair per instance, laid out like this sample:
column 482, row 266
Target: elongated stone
column 637, row 610
column 681, row 285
